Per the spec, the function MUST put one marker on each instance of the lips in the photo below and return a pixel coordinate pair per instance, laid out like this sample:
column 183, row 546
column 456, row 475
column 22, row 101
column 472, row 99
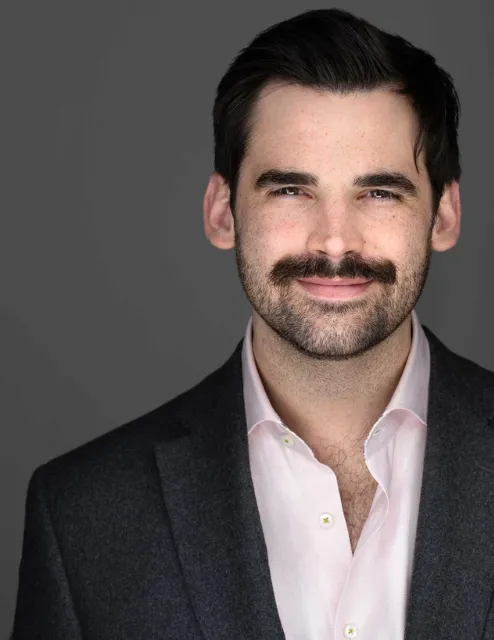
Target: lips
column 335, row 292
column 344, row 282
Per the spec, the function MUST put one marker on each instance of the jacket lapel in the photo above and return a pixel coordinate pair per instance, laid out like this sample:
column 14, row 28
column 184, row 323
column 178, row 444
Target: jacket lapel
column 453, row 571
column 210, row 500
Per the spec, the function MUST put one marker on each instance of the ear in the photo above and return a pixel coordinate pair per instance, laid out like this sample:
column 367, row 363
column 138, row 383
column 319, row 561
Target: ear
column 447, row 226
column 219, row 225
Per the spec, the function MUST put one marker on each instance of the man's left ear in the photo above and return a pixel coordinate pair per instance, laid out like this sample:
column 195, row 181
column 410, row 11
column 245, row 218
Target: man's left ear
column 447, row 226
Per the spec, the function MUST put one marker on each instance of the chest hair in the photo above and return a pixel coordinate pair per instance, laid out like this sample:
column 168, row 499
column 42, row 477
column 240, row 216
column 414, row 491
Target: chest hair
column 356, row 484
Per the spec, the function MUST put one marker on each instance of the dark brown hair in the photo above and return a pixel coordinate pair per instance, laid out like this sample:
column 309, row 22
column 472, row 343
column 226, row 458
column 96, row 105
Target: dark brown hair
column 334, row 50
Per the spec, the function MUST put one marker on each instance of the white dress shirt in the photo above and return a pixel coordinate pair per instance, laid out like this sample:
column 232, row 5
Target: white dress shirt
column 322, row 590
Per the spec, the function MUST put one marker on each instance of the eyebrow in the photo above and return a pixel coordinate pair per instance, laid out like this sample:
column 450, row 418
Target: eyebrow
column 391, row 179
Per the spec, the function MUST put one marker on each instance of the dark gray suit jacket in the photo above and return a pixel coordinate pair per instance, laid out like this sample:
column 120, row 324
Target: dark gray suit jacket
column 151, row 531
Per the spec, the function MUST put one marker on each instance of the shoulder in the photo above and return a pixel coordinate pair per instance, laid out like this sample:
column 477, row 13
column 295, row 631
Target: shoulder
column 124, row 456
column 447, row 359
column 458, row 380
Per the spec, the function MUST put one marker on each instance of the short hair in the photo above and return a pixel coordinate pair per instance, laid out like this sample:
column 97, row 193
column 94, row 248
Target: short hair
column 335, row 50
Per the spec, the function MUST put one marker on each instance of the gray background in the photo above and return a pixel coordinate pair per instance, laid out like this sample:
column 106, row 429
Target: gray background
column 112, row 299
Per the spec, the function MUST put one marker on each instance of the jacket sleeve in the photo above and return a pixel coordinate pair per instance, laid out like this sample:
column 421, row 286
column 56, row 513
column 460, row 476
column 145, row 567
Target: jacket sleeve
column 44, row 607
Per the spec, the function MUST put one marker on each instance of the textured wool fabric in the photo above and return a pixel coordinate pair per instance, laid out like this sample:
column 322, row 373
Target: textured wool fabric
column 322, row 590
column 152, row 531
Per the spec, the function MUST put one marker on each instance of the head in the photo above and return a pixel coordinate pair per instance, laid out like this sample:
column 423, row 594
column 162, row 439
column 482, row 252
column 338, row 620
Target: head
column 336, row 156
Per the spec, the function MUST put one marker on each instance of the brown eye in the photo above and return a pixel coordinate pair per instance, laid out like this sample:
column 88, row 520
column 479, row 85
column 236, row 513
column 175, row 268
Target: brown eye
column 383, row 194
column 286, row 192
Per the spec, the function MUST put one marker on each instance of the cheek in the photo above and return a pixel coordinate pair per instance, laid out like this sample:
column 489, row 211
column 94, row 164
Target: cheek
column 393, row 236
column 414, row 241
column 267, row 238
column 288, row 229
column 282, row 240
column 409, row 252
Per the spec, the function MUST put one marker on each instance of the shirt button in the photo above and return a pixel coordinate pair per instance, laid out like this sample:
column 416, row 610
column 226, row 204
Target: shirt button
column 326, row 521
column 350, row 631
column 287, row 440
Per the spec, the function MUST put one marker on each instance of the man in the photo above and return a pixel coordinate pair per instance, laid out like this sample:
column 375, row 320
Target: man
column 334, row 478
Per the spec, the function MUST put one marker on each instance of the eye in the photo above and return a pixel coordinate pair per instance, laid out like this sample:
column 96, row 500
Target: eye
column 383, row 194
column 281, row 193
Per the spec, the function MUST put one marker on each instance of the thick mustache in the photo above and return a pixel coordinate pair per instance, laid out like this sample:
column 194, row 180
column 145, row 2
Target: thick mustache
column 290, row 269
column 304, row 273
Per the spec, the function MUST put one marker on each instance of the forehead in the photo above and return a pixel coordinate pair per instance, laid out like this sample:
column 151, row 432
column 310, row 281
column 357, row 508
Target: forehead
column 291, row 123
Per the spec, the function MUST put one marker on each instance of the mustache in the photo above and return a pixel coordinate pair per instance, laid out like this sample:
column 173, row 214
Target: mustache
column 350, row 267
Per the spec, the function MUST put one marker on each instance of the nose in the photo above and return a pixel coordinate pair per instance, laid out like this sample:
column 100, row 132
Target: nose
column 335, row 231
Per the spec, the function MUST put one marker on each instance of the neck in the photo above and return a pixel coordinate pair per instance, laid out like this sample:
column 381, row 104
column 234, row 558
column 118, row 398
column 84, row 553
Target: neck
column 337, row 401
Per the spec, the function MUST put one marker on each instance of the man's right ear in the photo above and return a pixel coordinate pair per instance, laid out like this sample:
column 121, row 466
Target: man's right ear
column 218, row 218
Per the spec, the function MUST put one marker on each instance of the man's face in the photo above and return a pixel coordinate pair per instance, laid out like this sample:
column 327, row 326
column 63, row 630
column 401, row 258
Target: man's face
column 333, row 227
